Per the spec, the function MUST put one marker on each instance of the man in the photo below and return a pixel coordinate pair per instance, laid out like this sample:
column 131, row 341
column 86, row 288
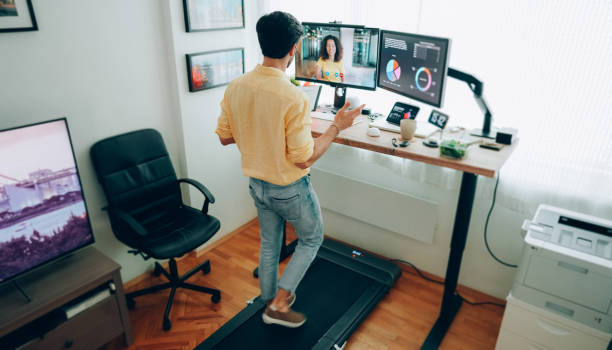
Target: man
column 269, row 120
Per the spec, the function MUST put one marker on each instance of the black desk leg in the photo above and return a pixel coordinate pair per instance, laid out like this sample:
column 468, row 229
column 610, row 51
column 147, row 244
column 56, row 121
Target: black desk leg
column 286, row 250
column 451, row 302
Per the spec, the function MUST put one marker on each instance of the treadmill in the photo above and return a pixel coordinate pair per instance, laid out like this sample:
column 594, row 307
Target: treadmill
column 337, row 293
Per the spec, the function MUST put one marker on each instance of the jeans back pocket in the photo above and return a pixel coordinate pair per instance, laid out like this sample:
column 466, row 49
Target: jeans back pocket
column 289, row 208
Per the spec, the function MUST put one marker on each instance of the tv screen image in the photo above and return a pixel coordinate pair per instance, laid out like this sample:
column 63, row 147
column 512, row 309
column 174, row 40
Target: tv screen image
column 335, row 54
column 42, row 209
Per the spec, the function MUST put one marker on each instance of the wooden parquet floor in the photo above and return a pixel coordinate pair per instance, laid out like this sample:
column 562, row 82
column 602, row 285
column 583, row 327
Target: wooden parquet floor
column 401, row 321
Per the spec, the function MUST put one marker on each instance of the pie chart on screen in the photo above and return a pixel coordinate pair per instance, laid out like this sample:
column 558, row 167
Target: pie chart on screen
column 394, row 71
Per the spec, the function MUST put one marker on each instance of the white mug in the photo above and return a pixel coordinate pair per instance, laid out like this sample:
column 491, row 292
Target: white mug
column 407, row 128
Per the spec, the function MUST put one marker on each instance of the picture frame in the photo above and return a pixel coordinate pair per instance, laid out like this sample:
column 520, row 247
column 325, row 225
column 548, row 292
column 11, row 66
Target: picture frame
column 210, row 69
column 17, row 16
column 207, row 15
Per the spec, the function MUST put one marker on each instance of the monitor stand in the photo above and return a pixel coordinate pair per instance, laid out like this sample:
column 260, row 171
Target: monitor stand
column 491, row 134
column 339, row 101
column 476, row 86
column 339, row 97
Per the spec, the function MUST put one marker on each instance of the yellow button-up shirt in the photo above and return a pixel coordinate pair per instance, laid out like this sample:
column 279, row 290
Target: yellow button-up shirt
column 269, row 118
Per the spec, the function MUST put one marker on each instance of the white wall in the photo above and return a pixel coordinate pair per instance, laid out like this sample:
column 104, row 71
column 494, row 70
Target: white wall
column 215, row 166
column 103, row 65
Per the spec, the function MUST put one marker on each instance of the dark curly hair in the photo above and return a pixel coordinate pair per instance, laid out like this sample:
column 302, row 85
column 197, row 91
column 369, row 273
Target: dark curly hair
column 277, row 32
column 323, row 48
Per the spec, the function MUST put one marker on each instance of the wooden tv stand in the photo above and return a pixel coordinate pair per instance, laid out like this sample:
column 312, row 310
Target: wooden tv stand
column 57, row 284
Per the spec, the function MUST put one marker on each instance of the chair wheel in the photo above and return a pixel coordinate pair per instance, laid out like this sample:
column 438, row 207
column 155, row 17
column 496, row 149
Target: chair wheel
column 205, row 268
column 166, row 324
column 130, row 303
column 157, row 270
column 216, row 297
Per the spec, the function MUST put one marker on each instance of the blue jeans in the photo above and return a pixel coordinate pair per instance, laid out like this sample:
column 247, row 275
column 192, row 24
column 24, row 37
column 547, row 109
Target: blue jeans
column 298, row 204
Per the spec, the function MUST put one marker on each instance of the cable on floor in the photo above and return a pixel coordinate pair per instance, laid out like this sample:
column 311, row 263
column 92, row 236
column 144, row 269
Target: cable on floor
column 442, row 282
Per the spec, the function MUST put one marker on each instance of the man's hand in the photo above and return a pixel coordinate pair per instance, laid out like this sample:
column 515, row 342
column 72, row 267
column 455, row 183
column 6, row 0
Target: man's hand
column 344, row 118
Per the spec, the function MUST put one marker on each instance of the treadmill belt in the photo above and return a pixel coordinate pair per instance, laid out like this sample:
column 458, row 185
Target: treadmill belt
column 327, row 291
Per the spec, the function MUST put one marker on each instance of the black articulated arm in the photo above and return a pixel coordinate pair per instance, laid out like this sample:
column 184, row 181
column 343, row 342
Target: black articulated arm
column 474, row 84
column 209, row 197
column 476, row 87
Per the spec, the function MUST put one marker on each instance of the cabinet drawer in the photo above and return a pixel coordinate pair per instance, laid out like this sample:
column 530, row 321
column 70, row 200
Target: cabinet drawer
column 570, row 281
column 536, row 327
column 88, row 330
column 510, row 341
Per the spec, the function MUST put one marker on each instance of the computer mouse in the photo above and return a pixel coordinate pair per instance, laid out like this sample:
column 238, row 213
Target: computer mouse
column 373, row 132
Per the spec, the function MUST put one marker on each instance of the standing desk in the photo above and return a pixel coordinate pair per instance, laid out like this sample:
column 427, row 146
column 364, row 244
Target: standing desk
column 478, row 161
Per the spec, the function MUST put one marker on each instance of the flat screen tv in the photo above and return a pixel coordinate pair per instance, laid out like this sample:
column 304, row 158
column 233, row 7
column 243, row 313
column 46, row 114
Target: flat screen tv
column 43, row 215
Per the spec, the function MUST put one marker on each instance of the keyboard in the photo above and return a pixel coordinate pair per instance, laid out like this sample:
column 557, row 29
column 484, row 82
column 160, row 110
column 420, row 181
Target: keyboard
column 423, row 129
column 323, row 115
column 330, row 116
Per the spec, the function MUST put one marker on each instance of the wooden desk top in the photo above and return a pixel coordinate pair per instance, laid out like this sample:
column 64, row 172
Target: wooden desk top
column 478, row 160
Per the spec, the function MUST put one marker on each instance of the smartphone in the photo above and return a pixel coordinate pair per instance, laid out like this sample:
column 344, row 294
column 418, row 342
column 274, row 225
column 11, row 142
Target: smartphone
column 491, row 145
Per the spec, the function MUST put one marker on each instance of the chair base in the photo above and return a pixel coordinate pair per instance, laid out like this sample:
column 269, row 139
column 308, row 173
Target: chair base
column 175, row 281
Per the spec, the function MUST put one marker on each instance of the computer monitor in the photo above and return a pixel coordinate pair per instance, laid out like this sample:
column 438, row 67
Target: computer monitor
column 338, row 54
column 42, row 209
column 413, row 65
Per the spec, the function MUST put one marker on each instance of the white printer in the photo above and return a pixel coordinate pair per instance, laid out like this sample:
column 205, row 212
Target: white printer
column 566, row 266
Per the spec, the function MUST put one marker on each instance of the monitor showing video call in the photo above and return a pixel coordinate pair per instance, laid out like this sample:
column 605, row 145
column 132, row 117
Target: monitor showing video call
column 339, row 55
column 413, row 65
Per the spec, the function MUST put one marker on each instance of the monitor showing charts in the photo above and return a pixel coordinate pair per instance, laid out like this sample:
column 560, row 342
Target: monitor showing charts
column 413, row 65
column 338, row 54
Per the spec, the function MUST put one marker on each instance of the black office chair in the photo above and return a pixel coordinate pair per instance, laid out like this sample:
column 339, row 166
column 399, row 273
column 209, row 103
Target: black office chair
column 146, row 210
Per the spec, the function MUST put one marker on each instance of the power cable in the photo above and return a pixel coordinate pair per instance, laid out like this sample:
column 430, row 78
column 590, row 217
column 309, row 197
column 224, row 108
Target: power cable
column 442, row 282
column 487, row 225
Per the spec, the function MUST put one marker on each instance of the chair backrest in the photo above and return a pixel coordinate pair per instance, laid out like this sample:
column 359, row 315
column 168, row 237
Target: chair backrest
column 136, row 174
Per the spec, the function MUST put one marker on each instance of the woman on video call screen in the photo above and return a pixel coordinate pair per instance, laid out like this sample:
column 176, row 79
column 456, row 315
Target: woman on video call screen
column 329, row 65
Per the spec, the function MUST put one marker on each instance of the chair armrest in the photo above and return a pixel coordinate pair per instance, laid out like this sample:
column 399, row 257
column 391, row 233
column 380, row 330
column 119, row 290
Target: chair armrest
column 200, row 187
column 209, row 197
column 127, row 219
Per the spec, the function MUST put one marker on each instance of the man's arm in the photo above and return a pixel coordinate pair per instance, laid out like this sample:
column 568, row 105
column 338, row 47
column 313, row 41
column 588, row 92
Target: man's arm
column 224, row 129
column 342, row 120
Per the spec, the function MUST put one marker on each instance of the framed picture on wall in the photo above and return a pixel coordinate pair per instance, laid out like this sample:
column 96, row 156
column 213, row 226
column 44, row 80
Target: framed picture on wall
column 204, row 15
column 17, row 16
column 206, row 70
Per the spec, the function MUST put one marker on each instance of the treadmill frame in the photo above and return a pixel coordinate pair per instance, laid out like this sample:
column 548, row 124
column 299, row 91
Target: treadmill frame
column 380, row 270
